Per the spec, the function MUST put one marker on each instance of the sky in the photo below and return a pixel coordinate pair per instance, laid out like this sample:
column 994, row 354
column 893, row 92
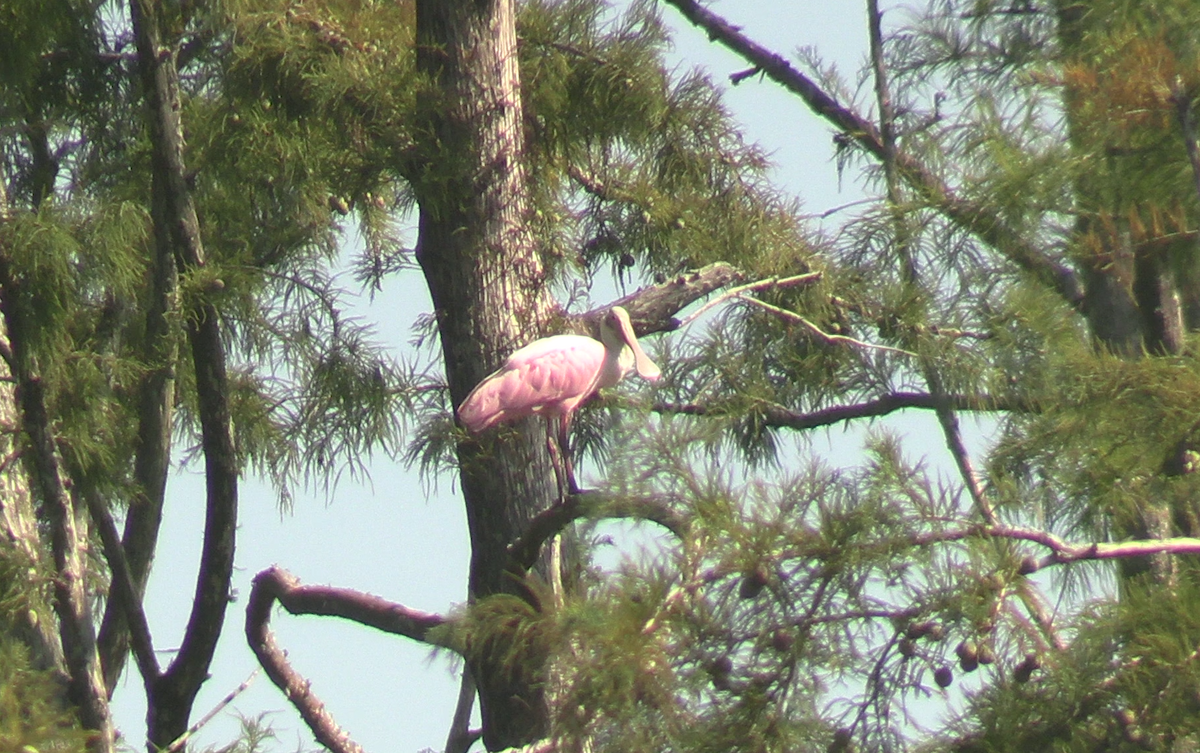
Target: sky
column 395, row 537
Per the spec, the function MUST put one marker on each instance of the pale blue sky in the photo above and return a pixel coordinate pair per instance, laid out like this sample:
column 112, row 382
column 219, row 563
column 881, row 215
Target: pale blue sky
column 389, row 536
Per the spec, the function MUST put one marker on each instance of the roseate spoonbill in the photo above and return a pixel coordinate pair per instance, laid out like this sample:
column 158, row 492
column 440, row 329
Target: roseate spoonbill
column 553, row 376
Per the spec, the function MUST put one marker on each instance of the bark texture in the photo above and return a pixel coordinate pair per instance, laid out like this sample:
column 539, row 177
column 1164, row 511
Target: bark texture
column 171, row 694
column 487, row 282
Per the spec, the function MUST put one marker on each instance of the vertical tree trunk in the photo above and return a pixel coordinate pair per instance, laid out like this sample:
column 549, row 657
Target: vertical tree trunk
column 1134, row 302
column 170, row 695
column 488, row 287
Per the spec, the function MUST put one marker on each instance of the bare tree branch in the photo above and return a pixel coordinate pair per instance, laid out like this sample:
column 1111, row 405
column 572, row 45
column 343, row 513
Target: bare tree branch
column 829, row 339
column 1063, row 552
column 776, row 416
column 976, row 219
column 593, row 505
column 123, row 588
column 771, row 283
column 653, row 309
column 275, row 584
column 461, row 736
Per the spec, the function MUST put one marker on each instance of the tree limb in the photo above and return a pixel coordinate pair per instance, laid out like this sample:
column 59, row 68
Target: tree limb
column 275, row 584
column 1063, row 552
column 653, row 309
column 771, row 283
column 123, row 588
column 974, row 218
column 776, row 416
column 461, row 736
column 593, row 505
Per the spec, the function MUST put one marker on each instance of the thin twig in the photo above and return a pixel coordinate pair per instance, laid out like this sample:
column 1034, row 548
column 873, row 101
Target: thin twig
column 181, row 741
column 825, row 337
column 834, row 210
column 772, row 283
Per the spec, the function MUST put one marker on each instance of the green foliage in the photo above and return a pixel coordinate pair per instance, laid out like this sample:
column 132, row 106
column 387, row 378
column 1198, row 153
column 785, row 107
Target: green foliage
column 631, row 164
column 32, row 717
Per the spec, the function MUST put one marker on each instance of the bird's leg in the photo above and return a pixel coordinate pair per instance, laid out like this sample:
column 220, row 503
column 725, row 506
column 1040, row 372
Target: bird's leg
column 554, row 447
column 565, row 443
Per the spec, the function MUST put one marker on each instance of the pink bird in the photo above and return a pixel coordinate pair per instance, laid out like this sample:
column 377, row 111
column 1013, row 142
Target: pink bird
column 554, row 375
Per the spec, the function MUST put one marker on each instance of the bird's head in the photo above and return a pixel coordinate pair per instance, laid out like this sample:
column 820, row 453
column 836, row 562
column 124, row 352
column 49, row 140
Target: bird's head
column 617, row 332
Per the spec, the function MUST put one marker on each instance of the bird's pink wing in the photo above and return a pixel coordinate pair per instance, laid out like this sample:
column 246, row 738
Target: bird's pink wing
column 549, row 376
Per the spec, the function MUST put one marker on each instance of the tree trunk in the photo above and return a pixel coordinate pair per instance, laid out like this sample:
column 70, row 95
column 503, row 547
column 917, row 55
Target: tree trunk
column 488, row 287
column 170, row 695
column 1134, row 302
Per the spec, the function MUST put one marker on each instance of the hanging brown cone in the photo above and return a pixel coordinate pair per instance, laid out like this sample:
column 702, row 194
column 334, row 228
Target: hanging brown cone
column 986, row 654
column 1025, row 669
column 718, row 671
column 753, row 583
column 968, row 656
column 842, row 742
column 943, row 676
column 928, row 629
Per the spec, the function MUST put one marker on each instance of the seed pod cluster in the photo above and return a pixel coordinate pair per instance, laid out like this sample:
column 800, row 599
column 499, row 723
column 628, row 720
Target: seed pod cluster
column 968, row 656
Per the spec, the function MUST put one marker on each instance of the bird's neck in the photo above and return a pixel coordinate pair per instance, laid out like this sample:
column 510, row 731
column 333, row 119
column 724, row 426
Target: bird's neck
column 617, row 362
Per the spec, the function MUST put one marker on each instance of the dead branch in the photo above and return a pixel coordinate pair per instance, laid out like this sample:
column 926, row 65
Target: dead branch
column 1063, row 552
column 277, row 585
column 653, row 309
column 771, row 283
column 825, row 337
column 461, row 736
